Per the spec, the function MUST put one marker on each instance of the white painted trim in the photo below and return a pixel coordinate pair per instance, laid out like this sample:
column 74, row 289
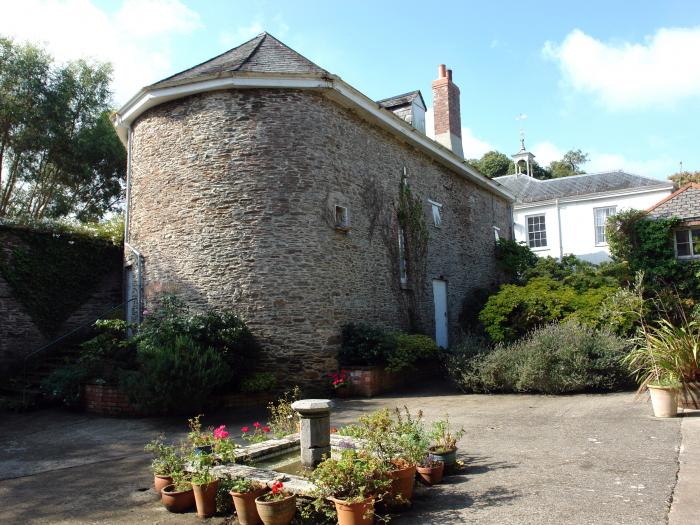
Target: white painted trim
column 435, row 203
column 349, row 96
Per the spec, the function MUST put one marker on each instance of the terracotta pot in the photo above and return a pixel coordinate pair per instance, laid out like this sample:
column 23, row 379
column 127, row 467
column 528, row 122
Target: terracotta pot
column 690, row 396
column 401, row 489
column 361, row 513
column 432, row 475
column 448, row 457
column 278, row 512
column 246, row 509
column 160, row 482
column 205, row 498
column 664, row 400
column 180, row 501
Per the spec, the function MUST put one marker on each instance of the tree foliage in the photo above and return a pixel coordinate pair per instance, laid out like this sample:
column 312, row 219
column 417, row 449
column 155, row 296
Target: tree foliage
column 570, row 164
column 492, row 164
column 682, row 178
column 59, row 155
column 496, row 164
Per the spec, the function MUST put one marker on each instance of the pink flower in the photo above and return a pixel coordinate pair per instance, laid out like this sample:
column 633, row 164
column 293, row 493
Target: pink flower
column 266, row 429
column 245, row 429
column 256, row 424
column 220, row 433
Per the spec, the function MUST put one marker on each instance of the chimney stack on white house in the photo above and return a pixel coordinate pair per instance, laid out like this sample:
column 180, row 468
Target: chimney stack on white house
column 448, row 123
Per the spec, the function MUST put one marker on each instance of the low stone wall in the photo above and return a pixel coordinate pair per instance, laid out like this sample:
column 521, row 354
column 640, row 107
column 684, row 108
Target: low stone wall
column 107, row 400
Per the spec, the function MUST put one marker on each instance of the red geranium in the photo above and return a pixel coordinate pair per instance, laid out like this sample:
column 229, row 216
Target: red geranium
column 245, row 429
column 266, row 429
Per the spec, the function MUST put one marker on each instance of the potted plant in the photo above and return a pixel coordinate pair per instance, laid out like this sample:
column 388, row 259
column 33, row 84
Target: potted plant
column 244, row 492
column 204, row 485
column 178, row 496
column 353, row 483
column 444, row 443
column 276, row 507
column 224, row 450
column 202, row 441
column 398, row 439
column 165, row 462
column 431, row 470
column 340, row 382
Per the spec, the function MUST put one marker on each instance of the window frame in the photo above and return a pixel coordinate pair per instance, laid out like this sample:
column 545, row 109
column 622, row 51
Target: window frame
column 544, row 246
column 691, row 246
column 345, row 224
column 436, row 207
column 604, row 242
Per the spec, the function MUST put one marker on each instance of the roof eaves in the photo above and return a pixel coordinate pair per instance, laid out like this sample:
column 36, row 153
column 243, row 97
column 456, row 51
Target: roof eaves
column 693, row 185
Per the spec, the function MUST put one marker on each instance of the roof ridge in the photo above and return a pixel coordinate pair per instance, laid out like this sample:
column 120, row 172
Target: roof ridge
column 264, row 35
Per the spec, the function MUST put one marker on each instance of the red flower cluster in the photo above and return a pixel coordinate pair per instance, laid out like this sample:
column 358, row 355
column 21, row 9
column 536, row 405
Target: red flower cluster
column 277, row 487
column 221, row 432
column 339, row 379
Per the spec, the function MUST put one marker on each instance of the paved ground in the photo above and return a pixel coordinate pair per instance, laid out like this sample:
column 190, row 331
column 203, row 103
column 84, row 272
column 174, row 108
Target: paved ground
column 590, row 459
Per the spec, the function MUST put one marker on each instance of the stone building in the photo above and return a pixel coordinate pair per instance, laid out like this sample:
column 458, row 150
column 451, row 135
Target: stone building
column 683, row 204
column 262, row 183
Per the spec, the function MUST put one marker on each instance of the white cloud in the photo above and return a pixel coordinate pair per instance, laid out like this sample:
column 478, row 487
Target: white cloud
column 661, row 71
column 229, row 39
column 473, row 146
column 546, row 152
column 136, row 38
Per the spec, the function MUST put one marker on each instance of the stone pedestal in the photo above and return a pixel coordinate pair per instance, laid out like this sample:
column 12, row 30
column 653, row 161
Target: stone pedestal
column 315, row 418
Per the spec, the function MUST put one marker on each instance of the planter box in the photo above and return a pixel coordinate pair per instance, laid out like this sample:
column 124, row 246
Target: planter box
column 107, row 400
column 368, row 381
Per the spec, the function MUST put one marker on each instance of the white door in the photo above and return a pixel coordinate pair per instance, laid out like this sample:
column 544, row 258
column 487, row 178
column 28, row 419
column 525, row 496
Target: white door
column 440, row 299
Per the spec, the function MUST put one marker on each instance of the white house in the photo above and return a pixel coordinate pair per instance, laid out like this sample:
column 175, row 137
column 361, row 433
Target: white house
column 565, row 216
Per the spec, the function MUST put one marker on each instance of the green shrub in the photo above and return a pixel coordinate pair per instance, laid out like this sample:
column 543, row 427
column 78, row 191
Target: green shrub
column 514, row 258
column 259, row 382
column 515, row 310
column 65, row 384
column 175, row 377
column 408, row 349
column 364, row 345
column 555, row 359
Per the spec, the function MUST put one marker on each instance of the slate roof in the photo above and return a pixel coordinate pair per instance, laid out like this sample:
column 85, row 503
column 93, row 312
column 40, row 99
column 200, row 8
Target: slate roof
column 401, row 100
column 528, row 189
column 262, row 54
column 684, row 203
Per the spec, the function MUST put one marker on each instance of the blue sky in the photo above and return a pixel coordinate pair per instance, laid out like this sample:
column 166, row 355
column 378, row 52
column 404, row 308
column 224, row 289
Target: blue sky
column 620, row 82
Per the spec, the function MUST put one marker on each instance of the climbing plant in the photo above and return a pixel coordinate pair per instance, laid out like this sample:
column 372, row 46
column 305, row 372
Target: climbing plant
column 52, row 273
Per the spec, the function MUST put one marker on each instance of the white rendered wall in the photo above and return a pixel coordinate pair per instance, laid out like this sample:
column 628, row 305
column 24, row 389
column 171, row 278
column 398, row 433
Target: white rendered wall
column 577, row 223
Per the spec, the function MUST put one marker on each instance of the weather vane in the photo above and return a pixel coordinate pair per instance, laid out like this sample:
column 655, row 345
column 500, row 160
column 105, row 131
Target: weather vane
column 520, row 118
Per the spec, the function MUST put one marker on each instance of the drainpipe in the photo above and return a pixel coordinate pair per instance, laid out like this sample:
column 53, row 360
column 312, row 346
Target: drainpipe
column 126, row 228
column 561, row 246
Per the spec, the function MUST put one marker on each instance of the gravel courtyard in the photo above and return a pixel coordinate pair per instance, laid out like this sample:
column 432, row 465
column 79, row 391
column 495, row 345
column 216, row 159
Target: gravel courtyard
column 585, row 459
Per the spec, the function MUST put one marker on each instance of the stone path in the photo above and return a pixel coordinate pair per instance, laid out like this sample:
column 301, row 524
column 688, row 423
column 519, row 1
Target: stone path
column 588, row 459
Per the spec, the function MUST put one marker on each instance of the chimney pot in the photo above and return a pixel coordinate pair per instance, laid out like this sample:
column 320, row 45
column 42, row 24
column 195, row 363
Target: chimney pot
column 448, row 127
column 441, row 71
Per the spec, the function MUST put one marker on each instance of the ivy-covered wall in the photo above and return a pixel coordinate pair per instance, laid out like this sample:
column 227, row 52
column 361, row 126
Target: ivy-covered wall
column 50, row 283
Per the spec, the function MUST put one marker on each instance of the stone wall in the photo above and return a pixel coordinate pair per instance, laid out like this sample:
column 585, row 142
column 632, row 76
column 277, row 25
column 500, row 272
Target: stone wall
column 684, row 204
column 19, row 335
column 233, row 196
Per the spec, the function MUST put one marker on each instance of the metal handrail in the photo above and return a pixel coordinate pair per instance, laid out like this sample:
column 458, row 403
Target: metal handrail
column 59, row 339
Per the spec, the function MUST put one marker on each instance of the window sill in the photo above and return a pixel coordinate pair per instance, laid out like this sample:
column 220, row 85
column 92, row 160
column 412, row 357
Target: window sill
column 601, row 245
column 540, row 249
column 343, row 229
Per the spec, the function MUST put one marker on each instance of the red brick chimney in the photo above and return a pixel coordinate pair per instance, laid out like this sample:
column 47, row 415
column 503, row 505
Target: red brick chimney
column 448, row 123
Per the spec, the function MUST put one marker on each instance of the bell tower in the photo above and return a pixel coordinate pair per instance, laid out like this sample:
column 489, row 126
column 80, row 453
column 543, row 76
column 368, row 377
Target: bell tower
column 523, row 157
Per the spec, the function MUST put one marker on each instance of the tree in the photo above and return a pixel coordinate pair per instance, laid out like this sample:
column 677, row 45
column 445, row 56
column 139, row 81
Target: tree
column 570, row 164
column 492, row 164
column 682, row 178
column 59, row 154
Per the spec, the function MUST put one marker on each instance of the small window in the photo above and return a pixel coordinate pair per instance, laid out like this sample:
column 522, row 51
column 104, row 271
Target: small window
column 402, row 257
column 341, row 217
column 601, row 216
column 497, row 233
column 436, row 209
column 687, row 243
column 536, row 232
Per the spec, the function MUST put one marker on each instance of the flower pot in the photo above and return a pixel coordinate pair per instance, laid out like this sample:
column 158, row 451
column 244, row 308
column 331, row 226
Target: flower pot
column 360, row 513
column 203, row 449
column 664, row 400
column 432, row 475
column 177, row 501
column 690, row 396
column 448, row 457
column 401, row 488
column 205, row 498
column 160, row 482
column 278, row 512
column 246, row 509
